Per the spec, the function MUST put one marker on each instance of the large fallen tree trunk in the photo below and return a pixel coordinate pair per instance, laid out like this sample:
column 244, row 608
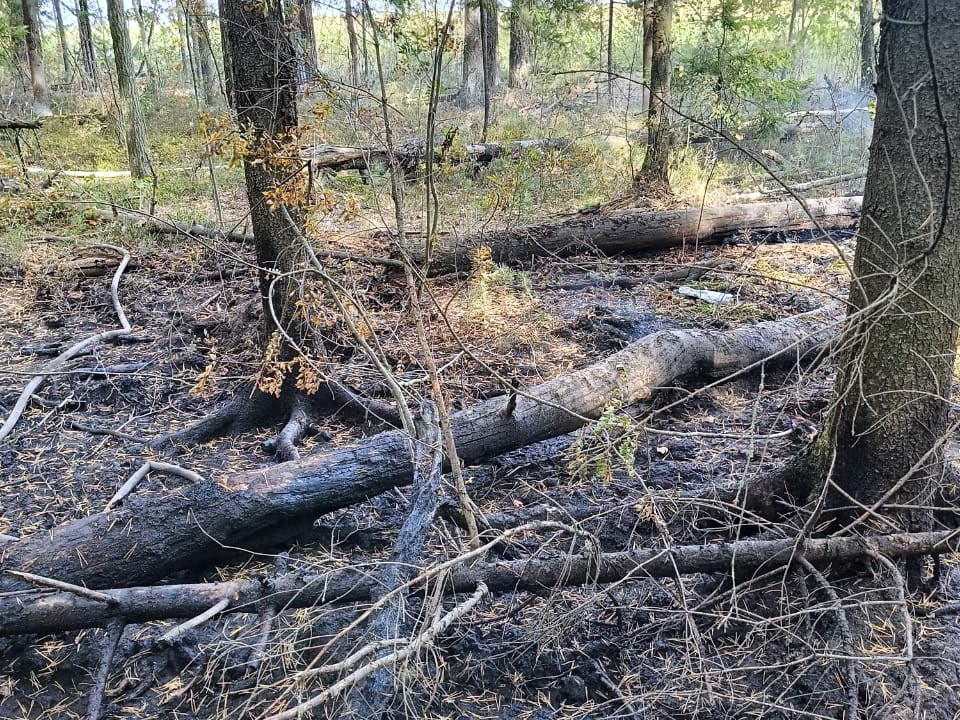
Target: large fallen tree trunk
column 411, row 155
column 54, row 612
column 149, row 537
column 635, row 231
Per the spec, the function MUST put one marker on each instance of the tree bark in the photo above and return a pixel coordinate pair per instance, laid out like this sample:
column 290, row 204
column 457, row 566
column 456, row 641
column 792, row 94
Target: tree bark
column 471, row 83
column 647, row 55
column 656, row 161
column 521, row 42
column 867, row 74
column 150, row 537
column 491, row 43
column 263, row 66
column 88, row 57
column 137, row 152
column 38, row 80
column 635, row 231
column 880, row 441
column 62, row 42
column 348, row 17
column 308, row 36
column 62, row 611
column 410, row 156
column 203, row 53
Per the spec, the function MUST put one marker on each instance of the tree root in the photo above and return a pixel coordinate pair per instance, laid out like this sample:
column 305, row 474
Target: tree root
column 301, row 413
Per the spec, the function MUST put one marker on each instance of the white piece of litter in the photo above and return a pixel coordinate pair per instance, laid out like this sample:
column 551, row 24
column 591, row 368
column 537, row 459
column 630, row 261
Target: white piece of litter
column 708, row 296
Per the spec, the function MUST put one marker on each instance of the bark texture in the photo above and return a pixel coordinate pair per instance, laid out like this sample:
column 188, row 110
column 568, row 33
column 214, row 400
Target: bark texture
column 137, row 153
column 656, row 161
column 88, row 58
column 867, row 45
column 521, row 43
column 151, row 536
column 471, row 79
column 893, row 386
column 634, row 231
column 61, row 611
column 32, row 40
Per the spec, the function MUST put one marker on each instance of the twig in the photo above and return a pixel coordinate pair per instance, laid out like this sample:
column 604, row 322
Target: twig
column 114, row 633
column 176, row 633
column 141, row 473
column 78, row 590
column 423, row 640
column 74, row 350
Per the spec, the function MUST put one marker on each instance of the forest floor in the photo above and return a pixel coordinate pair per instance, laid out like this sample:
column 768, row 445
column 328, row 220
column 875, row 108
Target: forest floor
column 695, row 646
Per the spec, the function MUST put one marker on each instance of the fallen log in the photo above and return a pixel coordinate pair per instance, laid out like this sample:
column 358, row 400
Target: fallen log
column 151, row 536
column 59, row 611
column 411, row 155
column 12, row 124
column 637, row 231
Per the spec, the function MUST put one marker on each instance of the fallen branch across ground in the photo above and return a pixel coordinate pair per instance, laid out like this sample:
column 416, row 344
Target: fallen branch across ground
column 152, row 535
column 637, row 231
column 35, row 612
column 74, row 350
column 410, row 156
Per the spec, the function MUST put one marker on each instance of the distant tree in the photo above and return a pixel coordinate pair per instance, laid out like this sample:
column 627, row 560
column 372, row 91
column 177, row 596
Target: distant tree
column 88, row 58
column 38, row 81
column 656, row 160
column 350, row 20
column 521, row 42
column 481, row 57
column 306, row 36
column 205, row 66
column 137, row 153
column 62, row 42
column 867, row 42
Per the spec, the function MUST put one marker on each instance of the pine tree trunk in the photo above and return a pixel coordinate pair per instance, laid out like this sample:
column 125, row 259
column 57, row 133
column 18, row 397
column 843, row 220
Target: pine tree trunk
column 893, row 386
column 31, row 20
column 62, row 41
column 308, row 36
column 521, row 41
column 471, row 85
column 88, row 57
column 647, row 60
column 265, row 99
column 137, row 152
column 656, row 161
column 352, row 39
column 867, row 73
column 491, row 43
column 203, row 53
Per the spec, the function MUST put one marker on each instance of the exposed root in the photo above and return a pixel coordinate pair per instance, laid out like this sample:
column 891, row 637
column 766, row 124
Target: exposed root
column 301, row 414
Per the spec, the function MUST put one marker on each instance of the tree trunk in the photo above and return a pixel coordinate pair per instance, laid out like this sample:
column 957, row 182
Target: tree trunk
column 647, row 59
column 471, row 84
column 62, row 42
column 880, row 441
column 491, row 43
column 151, row 536
column 145, row 39
column 308, row 36
column 656, row 161
column 88, row 57
column 348, row 17
column 265, row 95
column 203, row 53
column 634, row 231
column 137, row 153
column 867, row 74
column 521, row 41
column 31, row 20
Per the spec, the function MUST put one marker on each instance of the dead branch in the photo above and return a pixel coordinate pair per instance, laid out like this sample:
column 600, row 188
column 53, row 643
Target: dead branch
column 74, row 350
column 638, row 231
column 151, row 536
column 33, row 612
